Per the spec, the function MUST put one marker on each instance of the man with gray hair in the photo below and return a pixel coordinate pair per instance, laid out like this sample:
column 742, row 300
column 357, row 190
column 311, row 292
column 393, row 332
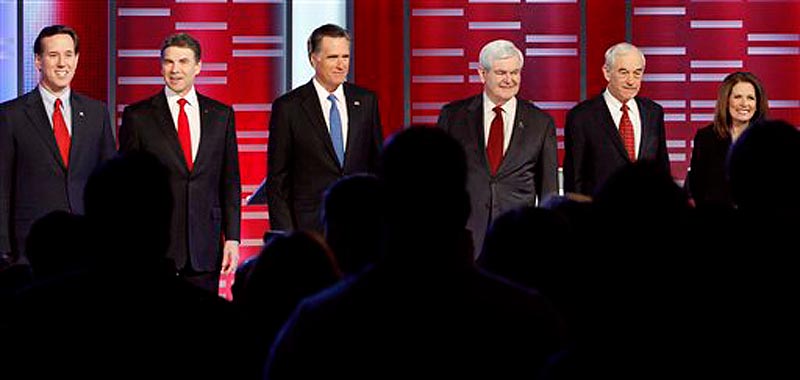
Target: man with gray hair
column 604, row 133
column 510, row 143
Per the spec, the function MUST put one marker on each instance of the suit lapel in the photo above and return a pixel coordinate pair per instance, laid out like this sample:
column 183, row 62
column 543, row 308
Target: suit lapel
column 79, row 131
column 165, row 124
column 515, row 147
column 355, row 117
column 34, row 108
column 647, row 134
column 475, row 124
column 607, row 123
column 206, row 128
column 313, row 111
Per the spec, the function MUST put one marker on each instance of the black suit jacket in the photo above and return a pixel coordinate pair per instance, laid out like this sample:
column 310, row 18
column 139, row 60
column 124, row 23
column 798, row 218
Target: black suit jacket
column 301, row 162
column 529, row 167
column 593, row 146
column 33, row 179
column 706, row 181
column 207, row 200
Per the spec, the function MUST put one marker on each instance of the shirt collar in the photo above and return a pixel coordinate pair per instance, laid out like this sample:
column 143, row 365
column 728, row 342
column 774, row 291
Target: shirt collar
column 172, row 96
column 488, row 105
column 615, row 104
column 50, row 98
column 323, row 93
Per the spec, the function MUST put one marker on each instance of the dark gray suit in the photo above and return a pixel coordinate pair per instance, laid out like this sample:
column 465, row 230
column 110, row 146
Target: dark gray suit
column 594, row 149
column 301, row 162
column 33, row 179
column 529, row 168
column 207, row 200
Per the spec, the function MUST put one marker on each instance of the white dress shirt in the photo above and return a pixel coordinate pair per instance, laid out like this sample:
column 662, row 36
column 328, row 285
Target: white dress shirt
column 49, row 100
column 192, row 109
column 341, row 104
column 509, row 113
column 614, row 106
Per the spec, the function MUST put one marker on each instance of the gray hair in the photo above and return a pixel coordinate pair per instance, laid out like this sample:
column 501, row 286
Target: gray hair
column 499, row 49
column 619, row 49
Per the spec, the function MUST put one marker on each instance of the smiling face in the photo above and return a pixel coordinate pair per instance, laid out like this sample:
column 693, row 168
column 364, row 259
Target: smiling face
column 742, row 103
column 331, row 62
column 179, row 66
column 57, row 62
column 501, row 83
column 625, row 76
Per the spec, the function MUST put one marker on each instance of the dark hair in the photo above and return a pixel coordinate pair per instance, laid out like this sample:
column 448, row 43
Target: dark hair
column 52, row 30
column 327, row 30
column 183, row 40
column 722, row 116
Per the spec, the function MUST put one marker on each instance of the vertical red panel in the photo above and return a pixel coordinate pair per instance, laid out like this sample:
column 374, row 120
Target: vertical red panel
column 378, row 56
column 90, row 20
column 605, row 26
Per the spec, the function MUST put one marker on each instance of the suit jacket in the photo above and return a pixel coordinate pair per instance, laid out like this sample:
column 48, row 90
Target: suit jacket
column 593, row 146
column 529, row 168
column 33, row 179
column 301, row 162
column 706, row 181
column 207, row 200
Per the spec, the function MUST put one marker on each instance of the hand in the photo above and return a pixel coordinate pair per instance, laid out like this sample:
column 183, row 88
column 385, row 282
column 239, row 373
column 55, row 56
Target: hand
column 230, row 257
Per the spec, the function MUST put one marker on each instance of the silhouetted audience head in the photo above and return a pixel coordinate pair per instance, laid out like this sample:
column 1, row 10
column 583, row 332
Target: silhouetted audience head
column 353, row 221
column 59, row 243
column 764, row 169
column 128, row 201
column 288, row 269
column 425, row 173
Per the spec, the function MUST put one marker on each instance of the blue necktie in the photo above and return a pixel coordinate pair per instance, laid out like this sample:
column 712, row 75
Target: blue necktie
column 336, row 130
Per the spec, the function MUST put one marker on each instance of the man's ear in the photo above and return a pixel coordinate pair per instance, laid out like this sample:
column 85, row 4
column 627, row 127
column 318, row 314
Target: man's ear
column 606, row 74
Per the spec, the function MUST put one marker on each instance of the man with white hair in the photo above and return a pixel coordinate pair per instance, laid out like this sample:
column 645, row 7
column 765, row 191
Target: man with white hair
column 510, row 143
column 617, row 127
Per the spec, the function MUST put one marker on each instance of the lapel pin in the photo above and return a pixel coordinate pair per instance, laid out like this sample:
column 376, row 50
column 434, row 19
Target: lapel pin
column 356, row 103
column 80, row 113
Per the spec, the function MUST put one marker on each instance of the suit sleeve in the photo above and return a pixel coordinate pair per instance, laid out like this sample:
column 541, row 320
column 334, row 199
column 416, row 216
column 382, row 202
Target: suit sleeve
column 443, row 120
column 574, row 145
column 279, row 169
column 547, row 182
column 231, row 186
column 108, row 147
column 694, row 179
column 662, row 156
column 128, row 139
column 6, row 171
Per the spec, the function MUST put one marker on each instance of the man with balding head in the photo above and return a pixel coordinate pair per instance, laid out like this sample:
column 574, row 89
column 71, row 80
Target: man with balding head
column 617, row 127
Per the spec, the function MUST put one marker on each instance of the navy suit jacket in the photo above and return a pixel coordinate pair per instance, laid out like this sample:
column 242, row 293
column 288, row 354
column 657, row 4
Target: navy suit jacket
column 593, row 146
column 207, row 200
column 301, row 162
column 529, row 168
column 33, row 179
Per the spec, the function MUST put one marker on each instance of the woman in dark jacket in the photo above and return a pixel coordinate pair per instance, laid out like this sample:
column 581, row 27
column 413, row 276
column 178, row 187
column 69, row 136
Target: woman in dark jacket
column 741, row 100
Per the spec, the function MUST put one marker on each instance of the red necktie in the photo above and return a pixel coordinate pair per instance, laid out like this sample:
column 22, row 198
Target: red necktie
column 184, row 134
column 61, row 132
column 494, row 148
column 626, row 132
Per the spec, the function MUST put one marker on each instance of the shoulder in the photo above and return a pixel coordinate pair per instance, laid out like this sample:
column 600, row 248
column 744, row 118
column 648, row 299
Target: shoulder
column 532, row 110
column 294, row 96
column 706, row 134
column 351, row 89
column 461, row 103
column 646, row 103
column 87, row 101
column 212, row 103
column 587, row 106
column 16, row 103
column 141, row 105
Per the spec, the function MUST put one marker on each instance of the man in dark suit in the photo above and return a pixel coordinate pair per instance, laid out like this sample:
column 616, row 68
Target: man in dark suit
column 51, row 139
column 607, row 132
column 195, row 138
column 318, row 133
column 510, row 143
